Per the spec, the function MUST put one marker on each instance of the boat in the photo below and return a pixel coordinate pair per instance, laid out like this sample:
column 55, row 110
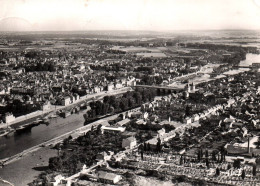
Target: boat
column 20, row 129
column 65, row 114
column 3, row 133
column 10, row 133
column 25, row 127
column 7, row 131
column 44, row 121
column 53, row 116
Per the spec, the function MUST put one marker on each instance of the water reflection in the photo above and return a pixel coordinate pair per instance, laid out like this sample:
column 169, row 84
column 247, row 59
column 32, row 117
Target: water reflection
column 250, row 58
column 20, row 141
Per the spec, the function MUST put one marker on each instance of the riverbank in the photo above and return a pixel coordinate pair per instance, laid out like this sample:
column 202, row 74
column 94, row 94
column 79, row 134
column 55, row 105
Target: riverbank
column 33, row 116
column 24, row 167
column 24, row 170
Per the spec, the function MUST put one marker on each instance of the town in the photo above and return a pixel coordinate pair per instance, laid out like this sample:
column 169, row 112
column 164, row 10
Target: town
column 155, row 111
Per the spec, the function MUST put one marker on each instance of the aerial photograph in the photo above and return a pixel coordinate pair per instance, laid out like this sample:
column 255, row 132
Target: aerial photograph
column 129, row 92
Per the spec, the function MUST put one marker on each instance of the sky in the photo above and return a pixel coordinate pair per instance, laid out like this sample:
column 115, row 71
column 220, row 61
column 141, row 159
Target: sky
column 158, row 15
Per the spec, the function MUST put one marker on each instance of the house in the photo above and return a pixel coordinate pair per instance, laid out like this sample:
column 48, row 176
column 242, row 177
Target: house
column 160, row 132
column 46, row 106
column 56, row 180
column 131, row 82
column 129, row 142
column 97, row 89
column 110, row 87
column 118, row 85
column 20, row 70
column 2, row 91
column 112, row 128
column 76, row 97
column 244, row 131
column 65, row 101
column 72, row 99
column 9, row 117
column 119, row 156
column 104, row 156
column 167, row 136
column 145, row 115
column 187, row 120
column 140, row 122
column 196, row 117
column 109, row 178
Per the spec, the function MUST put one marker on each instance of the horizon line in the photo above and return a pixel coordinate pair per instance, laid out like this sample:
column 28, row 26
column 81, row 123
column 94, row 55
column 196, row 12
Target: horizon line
column 130, row 30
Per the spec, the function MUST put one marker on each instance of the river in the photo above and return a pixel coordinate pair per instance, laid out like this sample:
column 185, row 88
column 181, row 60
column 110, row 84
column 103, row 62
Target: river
column 207, row 69
column 18, row 142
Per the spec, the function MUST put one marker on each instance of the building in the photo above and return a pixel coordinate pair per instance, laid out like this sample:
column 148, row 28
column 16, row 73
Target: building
column 46, row 106
column 129, row 142
column 160, row 132
column 65, row 101
column 56, row 180
column 9, row 117
column 104, row 155
column 187, row 120
column 109, row 178
column 110, row 87
column 112, row 128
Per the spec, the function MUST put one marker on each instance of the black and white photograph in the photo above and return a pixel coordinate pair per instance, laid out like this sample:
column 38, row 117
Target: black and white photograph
column 130, row 92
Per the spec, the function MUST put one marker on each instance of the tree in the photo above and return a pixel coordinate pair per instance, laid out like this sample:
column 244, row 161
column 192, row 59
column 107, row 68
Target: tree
column 199, row 155
column 55, row 163
column 70, row 137
column 236, row 164
column 124, row 104
column 243, row 175
column 207, row 163
column 206, row 153
column 105, row 108
column 217, row 172
column 131, row 102
column 158, row 145
column 148, row 147
column 187, row 110
column 145, row 147
column 213, row 155
column 254, row 170
column 258, row 143
column 181, row 160
column 99, row 129
column 106, row 99
column 223, row 153
column 138, row 98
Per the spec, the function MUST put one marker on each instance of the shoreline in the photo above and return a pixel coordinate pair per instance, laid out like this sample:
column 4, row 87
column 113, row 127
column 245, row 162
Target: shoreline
column 74, row 133
column 55, row 108
column 30, row 163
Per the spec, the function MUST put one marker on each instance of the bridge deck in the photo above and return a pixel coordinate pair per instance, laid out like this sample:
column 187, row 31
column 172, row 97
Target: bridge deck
column 159, row 87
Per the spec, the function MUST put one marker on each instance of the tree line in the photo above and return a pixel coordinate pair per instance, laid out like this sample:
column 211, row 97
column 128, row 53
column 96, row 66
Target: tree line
column 113, row 104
